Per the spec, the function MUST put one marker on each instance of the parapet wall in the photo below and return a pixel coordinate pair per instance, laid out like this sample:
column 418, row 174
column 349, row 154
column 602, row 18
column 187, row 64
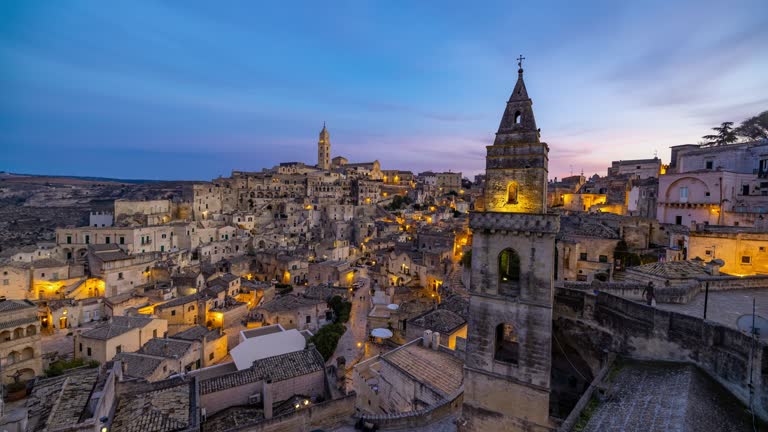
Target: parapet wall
column 525, row 222
column 644, row 332
column 415, row 419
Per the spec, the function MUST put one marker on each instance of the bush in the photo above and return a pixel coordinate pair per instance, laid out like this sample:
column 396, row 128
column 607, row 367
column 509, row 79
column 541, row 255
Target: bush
column 61, row 366
column 327, row 338
column 283, row 288
column 341, row 308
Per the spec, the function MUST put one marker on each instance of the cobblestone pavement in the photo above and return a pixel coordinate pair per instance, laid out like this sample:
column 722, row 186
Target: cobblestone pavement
column 724, row 307
column 667, row 397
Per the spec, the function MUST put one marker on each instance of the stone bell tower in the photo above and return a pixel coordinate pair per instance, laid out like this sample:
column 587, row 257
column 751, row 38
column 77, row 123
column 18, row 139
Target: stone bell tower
column 507, row 368
column 324, row 150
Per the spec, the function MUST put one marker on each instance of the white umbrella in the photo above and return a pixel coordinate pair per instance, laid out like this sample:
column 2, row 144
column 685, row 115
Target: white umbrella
column 381, row 333
column 393, row 307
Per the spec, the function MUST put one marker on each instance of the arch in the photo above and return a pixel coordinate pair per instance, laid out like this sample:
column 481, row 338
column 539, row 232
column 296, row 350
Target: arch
column 509, row 266
column 18, row 333
column 27, row 353
column 26, row 374
column 12, row 358
column 506, row 347
column 518, row 117
column 31, row 330
column 512, row 189
column 697, row 192
column 5, row 336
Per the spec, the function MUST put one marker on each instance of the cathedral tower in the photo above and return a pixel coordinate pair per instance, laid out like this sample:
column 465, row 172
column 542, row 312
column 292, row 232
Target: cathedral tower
column 324, row 150
column 508, row 362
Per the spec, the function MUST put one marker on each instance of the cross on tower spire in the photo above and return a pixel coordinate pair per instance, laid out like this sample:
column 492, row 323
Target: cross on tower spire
column 520, row 63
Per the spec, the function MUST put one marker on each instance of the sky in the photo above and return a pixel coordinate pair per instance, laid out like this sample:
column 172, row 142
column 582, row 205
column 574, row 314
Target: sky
column 195, row 89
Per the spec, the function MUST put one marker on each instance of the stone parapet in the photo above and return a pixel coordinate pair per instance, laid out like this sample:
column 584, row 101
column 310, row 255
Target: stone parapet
column 521, row 222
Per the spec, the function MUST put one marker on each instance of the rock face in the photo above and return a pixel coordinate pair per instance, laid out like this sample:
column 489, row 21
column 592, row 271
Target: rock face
column 31, row 207
column 509, row 338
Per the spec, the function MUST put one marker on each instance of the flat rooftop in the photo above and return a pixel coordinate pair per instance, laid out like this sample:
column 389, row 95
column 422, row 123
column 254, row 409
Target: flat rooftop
column 724, row 307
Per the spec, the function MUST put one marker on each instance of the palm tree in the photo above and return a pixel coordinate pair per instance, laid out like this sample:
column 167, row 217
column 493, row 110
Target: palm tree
column 725, row 135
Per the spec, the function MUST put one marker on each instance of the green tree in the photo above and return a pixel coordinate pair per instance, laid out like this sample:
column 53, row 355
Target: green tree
column 754, row 128
column 327, row 338
column 725, row 135
column 341, row 308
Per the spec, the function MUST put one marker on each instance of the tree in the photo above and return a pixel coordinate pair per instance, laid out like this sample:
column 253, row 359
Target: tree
column 327, row 338
column 754, row 128
column 725, row 135
column 341, row 308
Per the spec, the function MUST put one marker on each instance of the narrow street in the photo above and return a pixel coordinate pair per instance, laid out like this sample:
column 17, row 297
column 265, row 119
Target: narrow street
column 356, row 327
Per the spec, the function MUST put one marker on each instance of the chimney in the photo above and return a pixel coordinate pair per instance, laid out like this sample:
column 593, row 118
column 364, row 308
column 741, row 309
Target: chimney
column 426, row 341
column 267, row 398
column 436, row 341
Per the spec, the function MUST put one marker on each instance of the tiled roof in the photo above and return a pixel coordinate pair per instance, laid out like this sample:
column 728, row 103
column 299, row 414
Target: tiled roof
column 74, row 396
column 198, row 333
column 47, row 391
column 178, row 301
column 13, row 305
column 289, row 302
column 139, row 365
column 168, row 348
column 440, row 320
column 116, row 327
column 277, row 368
column 439, row 371
column 18, row 322
column 170, row 407
column 672, row 269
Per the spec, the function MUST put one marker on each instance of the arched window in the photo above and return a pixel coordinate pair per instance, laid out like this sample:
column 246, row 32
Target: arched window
column 507, row 348
column 509, row 266
column 518, row 117
column 512, row 193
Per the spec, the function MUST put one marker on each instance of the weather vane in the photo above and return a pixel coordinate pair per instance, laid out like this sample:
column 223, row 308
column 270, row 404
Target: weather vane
column 520, row 61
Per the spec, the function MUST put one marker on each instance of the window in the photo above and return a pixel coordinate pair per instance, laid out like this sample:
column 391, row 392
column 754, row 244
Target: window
column 746, row 259
column 762, row 249
column 745, row 189
column 87, row 239
column 162, row 236
column 120, row 276
column 509, row 269
column 309, row 319
column 507, row 348
column 154, row 333
column 122, row 240
column 55, row 276
column 107, row 240
column 512, row 193
column 583, row 256
column 173, row 313
column 81, row 347
column 518, row 117
column 678, row 220
column 88, row 352
column 709, row 164
column 684, row 194
column 210, row 356
column 708, row 252
column 69, row 239
column 6, row 282
column 118, row 349
column 603, row 258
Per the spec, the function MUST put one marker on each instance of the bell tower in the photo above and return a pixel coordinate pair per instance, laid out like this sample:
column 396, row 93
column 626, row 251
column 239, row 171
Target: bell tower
column 508, row 362
column 324, row 150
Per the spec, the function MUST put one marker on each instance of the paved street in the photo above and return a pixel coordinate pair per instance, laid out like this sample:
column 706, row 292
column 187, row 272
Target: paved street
column 358, row 318
column 724, row 307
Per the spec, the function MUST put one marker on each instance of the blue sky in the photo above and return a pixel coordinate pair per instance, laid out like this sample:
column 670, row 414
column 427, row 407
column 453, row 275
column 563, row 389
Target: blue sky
column 194, row 89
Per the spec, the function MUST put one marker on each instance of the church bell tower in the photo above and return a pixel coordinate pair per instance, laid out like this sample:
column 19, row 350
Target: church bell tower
column 508, row 361
column 324, row 150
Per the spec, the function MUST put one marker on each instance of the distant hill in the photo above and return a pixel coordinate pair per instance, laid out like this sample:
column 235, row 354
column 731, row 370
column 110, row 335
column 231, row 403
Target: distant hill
column 39, row 178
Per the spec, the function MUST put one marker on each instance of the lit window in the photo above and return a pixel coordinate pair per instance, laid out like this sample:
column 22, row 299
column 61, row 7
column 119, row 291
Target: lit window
column 746, row 259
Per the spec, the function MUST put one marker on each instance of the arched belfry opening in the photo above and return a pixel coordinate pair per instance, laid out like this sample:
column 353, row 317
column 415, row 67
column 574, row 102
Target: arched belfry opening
column 518, row 117
column 506, row 347
column 512, row 189
column 509, row 272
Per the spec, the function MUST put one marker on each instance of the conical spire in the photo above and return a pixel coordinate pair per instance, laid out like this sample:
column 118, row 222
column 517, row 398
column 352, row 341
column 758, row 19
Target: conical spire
column 518, row 123
column 324, row 135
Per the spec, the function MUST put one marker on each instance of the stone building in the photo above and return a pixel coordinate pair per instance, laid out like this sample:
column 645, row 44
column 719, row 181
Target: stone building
column 641, row 168
column 296, row 312
column 744, row 251
column 20, row 351
column 509, row 338
column 120, row 334
column 720, row 185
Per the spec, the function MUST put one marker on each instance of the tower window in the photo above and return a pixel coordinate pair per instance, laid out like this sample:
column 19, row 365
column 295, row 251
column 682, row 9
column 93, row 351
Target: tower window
column 509, row 267
column 507, row 348
column 512, row 193
column 518, row 117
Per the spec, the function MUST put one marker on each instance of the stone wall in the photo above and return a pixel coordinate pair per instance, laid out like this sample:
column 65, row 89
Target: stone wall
column 324, row 415
column 415, row 419
column 647, row 333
